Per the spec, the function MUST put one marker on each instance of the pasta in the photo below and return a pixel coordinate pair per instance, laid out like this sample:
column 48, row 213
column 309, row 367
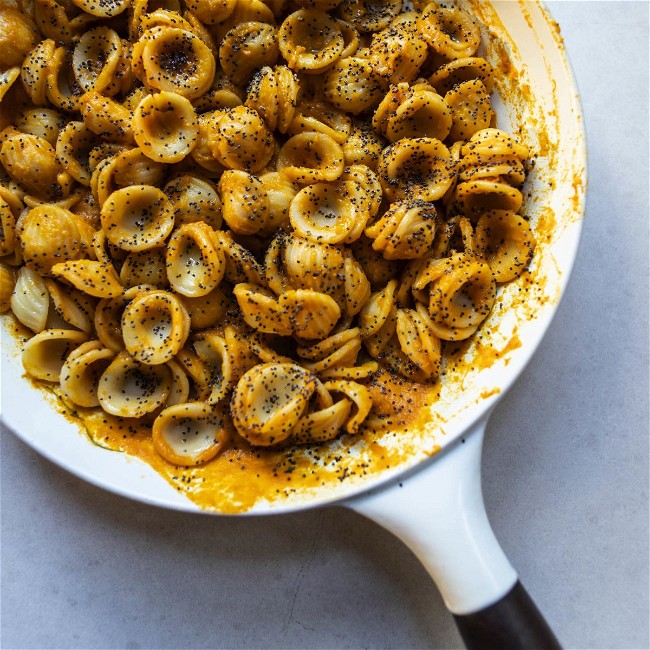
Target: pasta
column 226, row 220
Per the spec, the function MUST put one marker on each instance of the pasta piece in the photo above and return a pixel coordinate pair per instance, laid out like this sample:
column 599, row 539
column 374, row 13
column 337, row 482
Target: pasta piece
column 451, row 32
column 34, row 71
column 240, row 140
column 22, row 154
column 97, row 279
column 263, row 96
column 245, row 204
column 189, row 434
column 423, row 113
column 44, row 123
column 80, row 373
column 211, row 11
column 72, row 306
column 96, row 57
column 73, row 146
column 261, row 310
column 473, row 198
column 174, row 60
column 322, row 425
column 377, row 310
column 310, row 40
column 311, row 157
column 360, row 397
column 7, row 227
column 330, row 213
column 415, row 333
column 378, row 270
column 406, row 230
column 18, row 35
column 317, row 116
column 506, row 241
column 145, row 267
column 7, row 284
column 397, row 53
column 246, row 48
column 416, row 167
column 241, row 266
column 279, row 191
column 124, row 169
column 194, row 199
column 131, row 389
column 352, row 85
column 102, row 8
column 165, row 127
column 338, row 350
column 457, row 71
column 30, row 299
column 44, row 353
column 48, row 234
column 369, row 183
column 269, row 400
column 321, row 5
column 369, row 15
column 53, row 22
column 138, row 217
column 155, row 326
column 471, row 109
column 227, row 359
column 195, row 262
column 62, row 88
column 357, row 286
column 461, row 294
column 108, row 322
column 362, row 147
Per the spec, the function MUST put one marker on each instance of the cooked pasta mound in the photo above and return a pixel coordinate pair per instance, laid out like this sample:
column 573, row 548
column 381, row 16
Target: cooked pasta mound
column 226, row 218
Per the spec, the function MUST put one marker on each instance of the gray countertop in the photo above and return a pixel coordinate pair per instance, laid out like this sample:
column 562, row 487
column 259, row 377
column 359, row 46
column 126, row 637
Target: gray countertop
column 565, row 469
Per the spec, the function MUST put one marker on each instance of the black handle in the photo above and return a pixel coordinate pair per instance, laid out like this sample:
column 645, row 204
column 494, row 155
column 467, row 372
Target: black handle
column 512, row 623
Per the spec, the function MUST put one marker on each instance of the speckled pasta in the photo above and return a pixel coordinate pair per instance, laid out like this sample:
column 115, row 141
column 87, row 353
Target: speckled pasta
column 227, row 222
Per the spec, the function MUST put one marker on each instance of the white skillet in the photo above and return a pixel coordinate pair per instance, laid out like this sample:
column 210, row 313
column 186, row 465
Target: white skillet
column 432, row 502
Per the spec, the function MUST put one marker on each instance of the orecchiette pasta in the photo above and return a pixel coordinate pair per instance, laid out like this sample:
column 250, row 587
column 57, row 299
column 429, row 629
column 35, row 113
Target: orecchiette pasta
column 233, row 221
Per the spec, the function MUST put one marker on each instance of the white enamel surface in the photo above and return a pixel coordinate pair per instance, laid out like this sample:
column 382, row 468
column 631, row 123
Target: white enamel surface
column 438, row 513
column 33, row 418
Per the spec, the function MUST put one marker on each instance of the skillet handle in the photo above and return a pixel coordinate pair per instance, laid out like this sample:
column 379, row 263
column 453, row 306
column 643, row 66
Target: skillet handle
column 512, row 623
column 438, row 512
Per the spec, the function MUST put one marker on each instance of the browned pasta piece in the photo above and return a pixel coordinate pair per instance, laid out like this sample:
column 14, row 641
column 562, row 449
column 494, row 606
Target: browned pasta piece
column 451, row 32
column 310, row 40
column 246, row 48
column 155, row 326
column 18, row 35
column 195, row 262
column 417, row 167
column 269, row 400
column 165, row 127
column 312, row 115
column 131, row 389
column 506, row 241
column 45, row 353
column 189, row 434
column 311, row 157
column 137, row 217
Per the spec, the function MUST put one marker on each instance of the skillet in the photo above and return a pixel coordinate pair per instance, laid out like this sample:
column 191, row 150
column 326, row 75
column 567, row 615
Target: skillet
column 429, row 494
